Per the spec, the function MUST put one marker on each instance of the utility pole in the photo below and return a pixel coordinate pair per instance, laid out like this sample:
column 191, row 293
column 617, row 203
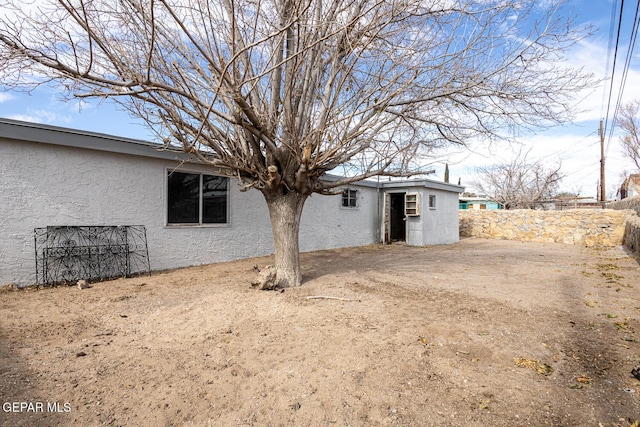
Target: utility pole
column 603, row 192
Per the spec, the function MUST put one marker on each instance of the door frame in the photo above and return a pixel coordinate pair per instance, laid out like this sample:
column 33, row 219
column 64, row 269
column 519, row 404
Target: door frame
column 387, row 220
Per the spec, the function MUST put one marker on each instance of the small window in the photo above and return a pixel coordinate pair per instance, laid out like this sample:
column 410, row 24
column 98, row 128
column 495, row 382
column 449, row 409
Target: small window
column 432, row 201
column 350, row 198
column 196, row 199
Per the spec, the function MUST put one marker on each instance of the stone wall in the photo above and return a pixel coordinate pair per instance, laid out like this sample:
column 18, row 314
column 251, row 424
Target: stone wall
column 629, row 203
column 632, row 228
column 599, row 227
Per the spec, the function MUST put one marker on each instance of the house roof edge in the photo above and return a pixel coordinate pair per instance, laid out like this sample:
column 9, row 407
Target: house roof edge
column 49, row 134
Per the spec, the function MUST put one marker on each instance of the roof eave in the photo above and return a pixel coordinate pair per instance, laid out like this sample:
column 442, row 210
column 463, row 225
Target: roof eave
column 54, row 135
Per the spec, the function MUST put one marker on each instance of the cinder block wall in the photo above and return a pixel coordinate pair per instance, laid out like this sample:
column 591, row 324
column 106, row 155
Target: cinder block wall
column 600, row 227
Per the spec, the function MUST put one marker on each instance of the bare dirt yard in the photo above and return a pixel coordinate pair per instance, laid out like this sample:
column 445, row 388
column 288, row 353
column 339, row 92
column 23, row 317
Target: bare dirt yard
column 480, row 333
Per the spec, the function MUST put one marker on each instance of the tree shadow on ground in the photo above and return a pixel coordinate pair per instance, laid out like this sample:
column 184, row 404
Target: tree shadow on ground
column 16, row 387
column 397, row 256
column 23, row 402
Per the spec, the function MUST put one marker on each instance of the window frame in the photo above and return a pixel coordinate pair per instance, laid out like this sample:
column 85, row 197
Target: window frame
column 411, row 205
column 200, row 223
column 355, row 198
column 432, row 201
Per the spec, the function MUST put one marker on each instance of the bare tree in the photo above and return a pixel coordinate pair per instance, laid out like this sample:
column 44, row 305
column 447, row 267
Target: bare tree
column 519, row 184
column 629, row 122
column 277, row 93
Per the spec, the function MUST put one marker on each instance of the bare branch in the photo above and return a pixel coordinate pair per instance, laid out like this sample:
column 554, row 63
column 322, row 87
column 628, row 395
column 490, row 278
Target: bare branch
column 521, row 183
column 307, row 87
column 629, row 121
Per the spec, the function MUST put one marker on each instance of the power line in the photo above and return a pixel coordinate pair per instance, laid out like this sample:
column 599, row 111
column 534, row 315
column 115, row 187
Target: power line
column 625, row 70
column 566, row 149
column 612, row 27
column 604, row 124
column 615, row 60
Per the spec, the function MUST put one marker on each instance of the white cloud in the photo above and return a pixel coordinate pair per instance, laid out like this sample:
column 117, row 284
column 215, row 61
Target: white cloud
column 41, row 116
column 591, row 56
column 4, row 97
column 577, row 145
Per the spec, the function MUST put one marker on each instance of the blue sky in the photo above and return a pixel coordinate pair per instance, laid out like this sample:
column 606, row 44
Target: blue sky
column 576, row 145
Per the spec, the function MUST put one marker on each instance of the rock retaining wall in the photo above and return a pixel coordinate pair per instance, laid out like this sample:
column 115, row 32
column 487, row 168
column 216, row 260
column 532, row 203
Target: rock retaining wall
column 629, row 203
column 632, row 227
column 598, row 227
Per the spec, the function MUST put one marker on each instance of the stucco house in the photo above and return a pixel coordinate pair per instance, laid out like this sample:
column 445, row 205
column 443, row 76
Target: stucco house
column 478, row 203
column 55, row 179
column 630, row 187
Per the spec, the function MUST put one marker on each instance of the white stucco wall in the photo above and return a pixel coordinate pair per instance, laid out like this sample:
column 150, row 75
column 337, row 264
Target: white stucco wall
column 326, row 224
column 44, row 185
column 54, row 176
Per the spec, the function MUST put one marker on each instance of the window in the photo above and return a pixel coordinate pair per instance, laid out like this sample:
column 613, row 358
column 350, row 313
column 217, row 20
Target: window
column 350, row 198
column 412, row 204
column 432, row 201
column 194, row 198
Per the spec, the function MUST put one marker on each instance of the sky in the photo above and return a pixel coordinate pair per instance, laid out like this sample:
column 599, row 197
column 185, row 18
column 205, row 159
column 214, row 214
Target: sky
column 576, row 145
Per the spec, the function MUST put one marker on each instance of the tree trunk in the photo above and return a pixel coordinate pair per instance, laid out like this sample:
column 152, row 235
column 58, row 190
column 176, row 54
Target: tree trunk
column 285, row 211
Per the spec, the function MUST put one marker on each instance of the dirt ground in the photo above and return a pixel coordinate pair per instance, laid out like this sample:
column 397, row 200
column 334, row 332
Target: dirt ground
column 479, row 333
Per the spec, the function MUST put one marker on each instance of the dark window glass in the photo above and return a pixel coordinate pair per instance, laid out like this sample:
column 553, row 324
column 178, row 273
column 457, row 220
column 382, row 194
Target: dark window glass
column 214, row 199
column 183, row 198
column 349, row 198
column 196, row 199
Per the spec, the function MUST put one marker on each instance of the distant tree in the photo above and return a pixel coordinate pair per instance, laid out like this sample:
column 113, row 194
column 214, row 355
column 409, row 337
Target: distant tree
column 519, row 184
column 629, row 121
column 573, row 193
column 277, row 93
column 566, row 195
